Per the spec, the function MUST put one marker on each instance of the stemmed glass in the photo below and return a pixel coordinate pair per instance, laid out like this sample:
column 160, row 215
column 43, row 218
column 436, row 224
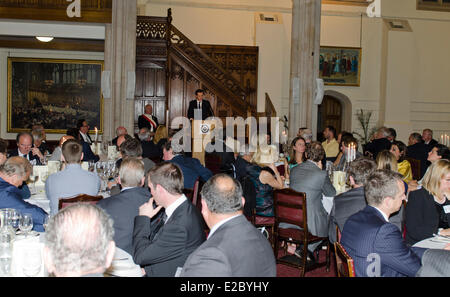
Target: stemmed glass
column 26, row 223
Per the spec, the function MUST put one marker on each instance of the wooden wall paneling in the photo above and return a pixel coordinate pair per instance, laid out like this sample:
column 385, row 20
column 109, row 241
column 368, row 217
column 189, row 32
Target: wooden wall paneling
column 150, row 82
column 139, row 90
column 177, row 81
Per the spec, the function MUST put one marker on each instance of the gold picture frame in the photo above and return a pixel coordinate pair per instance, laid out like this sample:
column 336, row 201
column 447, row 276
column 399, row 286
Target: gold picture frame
column 55, row 93
column 331, row 65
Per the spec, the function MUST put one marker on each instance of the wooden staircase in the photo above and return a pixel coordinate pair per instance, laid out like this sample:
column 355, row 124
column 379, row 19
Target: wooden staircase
column 170, row 67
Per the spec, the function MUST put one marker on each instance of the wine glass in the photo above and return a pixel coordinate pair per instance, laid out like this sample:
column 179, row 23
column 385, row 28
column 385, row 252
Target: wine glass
column 32, row 260
column 15, row 218
column 45, row 224
column 26, row 223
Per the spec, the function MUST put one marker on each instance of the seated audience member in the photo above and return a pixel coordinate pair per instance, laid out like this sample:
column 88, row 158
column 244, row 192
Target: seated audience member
column 393, row 135
column 427, row 209
column 163, row 244
column 439, row 151
column 223, row 149
column 191, row 167
column 427, row 137
column 88, row 154
column 27, row 150
column 234, row 248
column 73, row 180
column 79, row 242
column 386, row 160
column 341, row 160
column 131, row 149
column 265, row 177
column 149, row 148
column 57, row 153
column 350, row 202
column 243, row 161
column 418, row 150
column 435, row 263
column 309, row 178
column 398, row 149
column 161, row 136
column 13, row 173
column 368, row 236
column 330, row 145
column 379, row 143
column 306, row 134
column 124, row 206
column 119, row 131
column 296, row 156
column 83, row 130
column 38, row 140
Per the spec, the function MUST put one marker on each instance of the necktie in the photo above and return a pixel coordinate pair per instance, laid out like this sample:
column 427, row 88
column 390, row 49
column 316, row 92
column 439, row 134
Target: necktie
column 159, row 224
column 199, row 105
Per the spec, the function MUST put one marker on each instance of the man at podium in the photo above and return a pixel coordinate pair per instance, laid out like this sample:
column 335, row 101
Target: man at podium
column 201, row 104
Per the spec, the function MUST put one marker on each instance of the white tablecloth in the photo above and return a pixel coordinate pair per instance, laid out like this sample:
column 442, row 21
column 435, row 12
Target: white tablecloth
column 433, row 243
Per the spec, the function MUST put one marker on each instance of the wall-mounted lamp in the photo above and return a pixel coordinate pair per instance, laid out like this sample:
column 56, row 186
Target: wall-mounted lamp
column 44, row 38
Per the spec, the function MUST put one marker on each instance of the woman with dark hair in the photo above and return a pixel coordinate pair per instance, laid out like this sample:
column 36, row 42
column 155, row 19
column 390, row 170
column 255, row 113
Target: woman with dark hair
column 398, row 149
column 296, row 155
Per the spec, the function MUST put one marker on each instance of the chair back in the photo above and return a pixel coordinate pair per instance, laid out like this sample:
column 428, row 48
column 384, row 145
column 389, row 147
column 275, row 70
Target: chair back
column 344, row 263
column 281, row 169
column 82, row 198
column 338, row 234
column 213, row 162
column 415, row 168
column 290, row 207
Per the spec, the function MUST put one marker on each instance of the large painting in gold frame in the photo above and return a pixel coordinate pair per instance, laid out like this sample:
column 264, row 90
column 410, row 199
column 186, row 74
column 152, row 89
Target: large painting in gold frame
column 340, row 66
column 54, row 93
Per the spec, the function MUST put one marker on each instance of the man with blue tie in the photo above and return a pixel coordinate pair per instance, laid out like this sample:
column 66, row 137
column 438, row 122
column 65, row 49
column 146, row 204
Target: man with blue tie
column 377, row 246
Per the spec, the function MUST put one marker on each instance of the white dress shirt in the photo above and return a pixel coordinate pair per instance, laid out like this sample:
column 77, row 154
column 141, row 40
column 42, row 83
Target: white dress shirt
column 216, row 226
column 171, row 208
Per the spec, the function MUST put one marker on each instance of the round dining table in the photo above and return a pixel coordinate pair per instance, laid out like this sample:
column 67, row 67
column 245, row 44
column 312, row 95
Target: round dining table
column 435, row 242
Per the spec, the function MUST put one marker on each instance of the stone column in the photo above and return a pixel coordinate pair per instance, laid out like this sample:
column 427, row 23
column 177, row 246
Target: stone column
column 120, row 59
column 305, row 47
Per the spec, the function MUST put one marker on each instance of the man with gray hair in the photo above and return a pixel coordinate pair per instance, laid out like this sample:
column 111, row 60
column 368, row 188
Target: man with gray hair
column 379, row 143
column 13, row 173
column 377, row 246
column 234, row 248
column 124, row 206
column 79, row 242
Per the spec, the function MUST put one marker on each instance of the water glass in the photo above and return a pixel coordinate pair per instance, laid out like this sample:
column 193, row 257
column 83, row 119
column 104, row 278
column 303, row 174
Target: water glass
column 5, row 256
column 32, row 260
column 45, row 224
column 26, row 223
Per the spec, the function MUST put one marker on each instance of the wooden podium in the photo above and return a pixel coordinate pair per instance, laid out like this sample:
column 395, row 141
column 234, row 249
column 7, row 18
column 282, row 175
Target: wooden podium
column 201, row 134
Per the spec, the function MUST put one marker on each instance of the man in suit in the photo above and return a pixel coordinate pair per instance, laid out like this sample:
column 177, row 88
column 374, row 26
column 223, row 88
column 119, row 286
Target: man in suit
column 148, row 120
column 379, row 143
column 119, row 131
column 88, row 154
column 234, row 248
column 418, row 150
column 13, row 173
column 79, row 242
column 354, row 200
column 149, row 148
column 163, row 239
column 73, row 180
column 308, row 177
column 377, row 246
column 427, row 136
column 83, row 129
column 435, row 263
column 200, row 104
column 191, row 167
column 124, row 207
column 27, row 150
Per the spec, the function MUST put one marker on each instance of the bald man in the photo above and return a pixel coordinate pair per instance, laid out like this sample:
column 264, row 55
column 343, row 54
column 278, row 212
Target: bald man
column 57, row 153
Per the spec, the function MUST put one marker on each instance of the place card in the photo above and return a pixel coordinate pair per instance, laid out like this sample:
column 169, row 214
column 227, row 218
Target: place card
column 85, row 166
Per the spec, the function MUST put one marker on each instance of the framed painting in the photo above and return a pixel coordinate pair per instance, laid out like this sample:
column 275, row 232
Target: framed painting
column 340, row 66
column 54, row 93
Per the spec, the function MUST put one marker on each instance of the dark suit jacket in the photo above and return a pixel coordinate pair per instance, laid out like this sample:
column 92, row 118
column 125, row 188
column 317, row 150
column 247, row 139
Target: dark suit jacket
column 142, row 122
column 432, row 143
column 123, row 208
column 206, row 109
column 15, row 153
column 235, row 249
column 419, row 151
column 88, row 154
column 377, row 145
column 176, row 240
column 192, row 169
column 349, row 203
column 367, row 234
column 422, row 218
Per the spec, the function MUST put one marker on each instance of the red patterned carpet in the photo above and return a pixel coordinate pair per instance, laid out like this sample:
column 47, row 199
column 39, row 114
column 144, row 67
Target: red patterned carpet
column 287, row 271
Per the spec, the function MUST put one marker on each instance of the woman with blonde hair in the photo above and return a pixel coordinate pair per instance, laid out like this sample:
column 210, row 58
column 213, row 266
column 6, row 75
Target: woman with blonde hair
column 428, row 209
column 387, row 160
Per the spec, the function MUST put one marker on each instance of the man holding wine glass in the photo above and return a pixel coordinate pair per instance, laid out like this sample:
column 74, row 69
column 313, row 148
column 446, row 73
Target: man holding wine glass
column 13, row 173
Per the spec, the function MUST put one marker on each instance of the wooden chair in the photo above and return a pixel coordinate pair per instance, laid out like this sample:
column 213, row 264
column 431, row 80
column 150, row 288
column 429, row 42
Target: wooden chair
column 82, row 198
column 344, row 263
column 415, row 168
column 264, row 222
column 290, row 207
column 213, row 162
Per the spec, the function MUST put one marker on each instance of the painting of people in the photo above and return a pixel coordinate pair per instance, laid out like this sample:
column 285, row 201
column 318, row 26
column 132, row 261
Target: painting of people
column 340, row 65
column 54, row 93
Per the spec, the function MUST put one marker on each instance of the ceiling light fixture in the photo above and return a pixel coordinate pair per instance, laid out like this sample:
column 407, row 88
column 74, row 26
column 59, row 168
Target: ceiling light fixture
column 44, row 38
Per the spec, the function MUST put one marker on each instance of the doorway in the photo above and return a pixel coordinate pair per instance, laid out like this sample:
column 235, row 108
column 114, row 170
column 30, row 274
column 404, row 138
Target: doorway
column 329, row 114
